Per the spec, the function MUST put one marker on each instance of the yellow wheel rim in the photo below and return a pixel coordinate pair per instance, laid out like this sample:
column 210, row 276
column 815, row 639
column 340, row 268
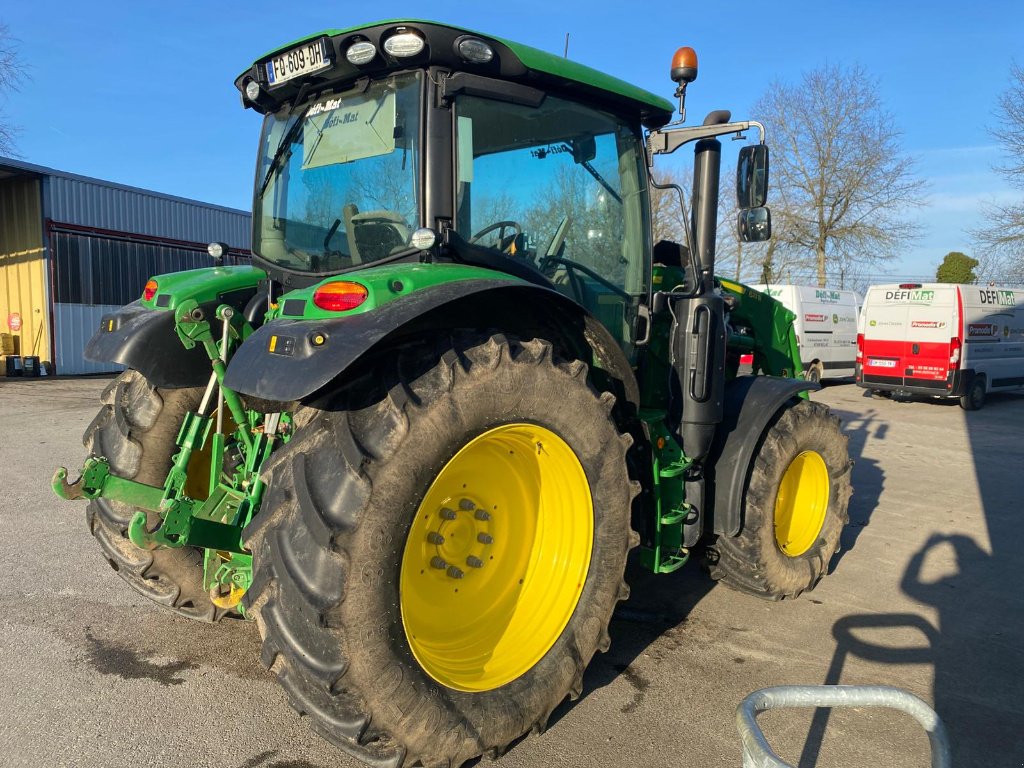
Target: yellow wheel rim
column 497, row 557
column 801, row 503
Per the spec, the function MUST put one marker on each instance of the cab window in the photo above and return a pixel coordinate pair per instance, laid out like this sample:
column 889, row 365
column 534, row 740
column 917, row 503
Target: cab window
column 561, row 186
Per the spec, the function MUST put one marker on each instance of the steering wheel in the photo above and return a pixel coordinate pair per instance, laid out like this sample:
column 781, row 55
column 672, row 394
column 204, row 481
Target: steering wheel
column 501, row 226
column 574, row 266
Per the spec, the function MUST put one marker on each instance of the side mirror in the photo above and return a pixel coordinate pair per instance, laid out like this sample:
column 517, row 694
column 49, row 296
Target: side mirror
column 754, row 225
column 752, row 176
column 584, row 149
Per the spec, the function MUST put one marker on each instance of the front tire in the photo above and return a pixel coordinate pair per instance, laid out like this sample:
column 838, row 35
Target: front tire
column 136, row 430
column 470, row 456
column 795, row 507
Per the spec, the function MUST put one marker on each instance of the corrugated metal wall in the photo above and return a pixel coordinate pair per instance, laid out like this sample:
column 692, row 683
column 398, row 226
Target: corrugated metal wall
column 97, row 242
column 91, row 203
column 22, row 265
column 73, row 326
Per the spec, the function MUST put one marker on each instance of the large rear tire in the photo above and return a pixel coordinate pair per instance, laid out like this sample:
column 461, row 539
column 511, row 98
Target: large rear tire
column 795, row 507
column 441, row 548
column 136, row 431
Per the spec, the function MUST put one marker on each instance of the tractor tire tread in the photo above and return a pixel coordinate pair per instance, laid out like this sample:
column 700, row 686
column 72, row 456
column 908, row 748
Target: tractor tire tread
column 751, row 561
column 135, row 431
column 314, row 514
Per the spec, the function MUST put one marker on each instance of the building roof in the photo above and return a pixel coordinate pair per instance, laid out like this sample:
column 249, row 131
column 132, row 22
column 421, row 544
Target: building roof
column 10, row 167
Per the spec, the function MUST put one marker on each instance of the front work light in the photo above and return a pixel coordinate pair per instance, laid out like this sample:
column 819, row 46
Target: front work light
column 252, row 90
column 217, row 251
column 361, row 52
column 339, row 296
column 404, row 44
column 475, row 50
column 423, row 238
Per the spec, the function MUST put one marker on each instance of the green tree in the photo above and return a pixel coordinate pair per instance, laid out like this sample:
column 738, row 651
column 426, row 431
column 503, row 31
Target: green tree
column 957, row 268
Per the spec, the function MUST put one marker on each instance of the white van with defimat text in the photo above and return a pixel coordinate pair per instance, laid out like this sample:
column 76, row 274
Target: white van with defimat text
column 942, row 339
column 825, row 326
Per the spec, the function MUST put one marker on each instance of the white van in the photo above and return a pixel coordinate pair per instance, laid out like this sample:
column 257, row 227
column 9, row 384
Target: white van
column 942, row 339
column 825, row 325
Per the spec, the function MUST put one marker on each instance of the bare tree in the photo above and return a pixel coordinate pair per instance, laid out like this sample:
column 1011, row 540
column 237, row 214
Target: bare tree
column 1001, row 240
column 667, row 215
column 841, row 185
column 12, row 74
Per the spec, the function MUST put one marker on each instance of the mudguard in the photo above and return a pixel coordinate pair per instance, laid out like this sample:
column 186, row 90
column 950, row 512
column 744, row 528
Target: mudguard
column 288, row 360
column 144, row 339
column 751, row 402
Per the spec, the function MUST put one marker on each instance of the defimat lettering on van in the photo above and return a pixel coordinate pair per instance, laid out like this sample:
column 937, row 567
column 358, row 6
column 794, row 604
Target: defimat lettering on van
column 910, row 295
column 998, row 298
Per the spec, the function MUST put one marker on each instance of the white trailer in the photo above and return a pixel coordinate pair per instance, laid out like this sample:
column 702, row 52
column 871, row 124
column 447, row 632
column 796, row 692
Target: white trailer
column 942, row 339
column 825, row 325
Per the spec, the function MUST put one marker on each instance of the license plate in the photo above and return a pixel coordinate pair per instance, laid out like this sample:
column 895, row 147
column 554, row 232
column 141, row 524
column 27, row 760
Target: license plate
column 882, row 363
column 304, row 60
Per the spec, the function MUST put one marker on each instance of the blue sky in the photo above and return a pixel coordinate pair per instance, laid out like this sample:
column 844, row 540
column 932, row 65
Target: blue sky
column 141, row 93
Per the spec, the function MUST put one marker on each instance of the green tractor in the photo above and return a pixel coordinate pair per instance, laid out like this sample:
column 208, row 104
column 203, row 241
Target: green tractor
column 417, row 439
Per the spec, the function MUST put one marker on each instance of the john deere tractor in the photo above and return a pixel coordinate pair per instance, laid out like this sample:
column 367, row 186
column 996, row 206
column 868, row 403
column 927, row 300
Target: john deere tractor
column 417, row 439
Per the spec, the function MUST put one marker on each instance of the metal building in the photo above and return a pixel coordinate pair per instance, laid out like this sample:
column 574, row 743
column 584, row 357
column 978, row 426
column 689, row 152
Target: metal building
column 73, row 248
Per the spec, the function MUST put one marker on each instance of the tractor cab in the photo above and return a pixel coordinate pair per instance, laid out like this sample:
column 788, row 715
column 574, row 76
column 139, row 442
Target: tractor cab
column 410, row 142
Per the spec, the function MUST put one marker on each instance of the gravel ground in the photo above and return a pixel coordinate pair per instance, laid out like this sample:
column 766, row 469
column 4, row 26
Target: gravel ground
column 923, row 596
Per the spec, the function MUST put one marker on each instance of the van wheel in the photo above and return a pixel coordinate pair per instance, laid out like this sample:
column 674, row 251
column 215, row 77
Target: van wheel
column 974, row 398
column 813, row 374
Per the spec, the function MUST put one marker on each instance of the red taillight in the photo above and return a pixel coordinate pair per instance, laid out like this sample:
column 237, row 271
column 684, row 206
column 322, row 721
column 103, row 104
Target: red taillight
column 909, row 286
column 954, row 353
column 860, row 348
column 339, row 296
column 150, row 290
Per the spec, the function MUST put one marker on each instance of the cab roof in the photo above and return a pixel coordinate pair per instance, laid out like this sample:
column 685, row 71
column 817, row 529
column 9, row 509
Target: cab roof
column 513, row 61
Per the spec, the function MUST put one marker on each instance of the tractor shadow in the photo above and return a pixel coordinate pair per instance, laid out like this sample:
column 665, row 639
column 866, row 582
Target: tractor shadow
column 658, row 604
column 973, row 649
column 868, row 478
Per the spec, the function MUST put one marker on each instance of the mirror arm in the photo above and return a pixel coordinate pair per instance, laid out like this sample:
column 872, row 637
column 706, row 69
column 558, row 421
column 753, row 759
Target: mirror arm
column 667, row 142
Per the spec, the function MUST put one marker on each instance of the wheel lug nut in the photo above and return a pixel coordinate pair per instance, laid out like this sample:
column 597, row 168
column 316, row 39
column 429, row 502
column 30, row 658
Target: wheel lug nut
column 482, row 514
column 447, row 514
column 455, row 573
column 438, row 562
column 466, row 504
column 435, row 538
column 474, row 562
column 484, row 538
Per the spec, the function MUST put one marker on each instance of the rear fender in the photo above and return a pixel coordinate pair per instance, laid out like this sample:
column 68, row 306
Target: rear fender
column 141, row 335
column 751, row 403
column 283, row 363
column 144, row 339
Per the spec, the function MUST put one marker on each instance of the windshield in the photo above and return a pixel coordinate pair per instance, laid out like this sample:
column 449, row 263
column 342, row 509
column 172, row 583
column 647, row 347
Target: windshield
column 337, row 178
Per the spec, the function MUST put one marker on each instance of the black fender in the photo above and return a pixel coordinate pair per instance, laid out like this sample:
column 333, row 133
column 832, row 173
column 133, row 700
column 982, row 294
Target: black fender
column 751, row 403
column 297, row 368
column 144, row 339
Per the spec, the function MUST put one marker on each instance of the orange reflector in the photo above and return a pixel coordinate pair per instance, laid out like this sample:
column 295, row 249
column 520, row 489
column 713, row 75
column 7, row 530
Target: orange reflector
column 339, row 296
column 150, row 290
